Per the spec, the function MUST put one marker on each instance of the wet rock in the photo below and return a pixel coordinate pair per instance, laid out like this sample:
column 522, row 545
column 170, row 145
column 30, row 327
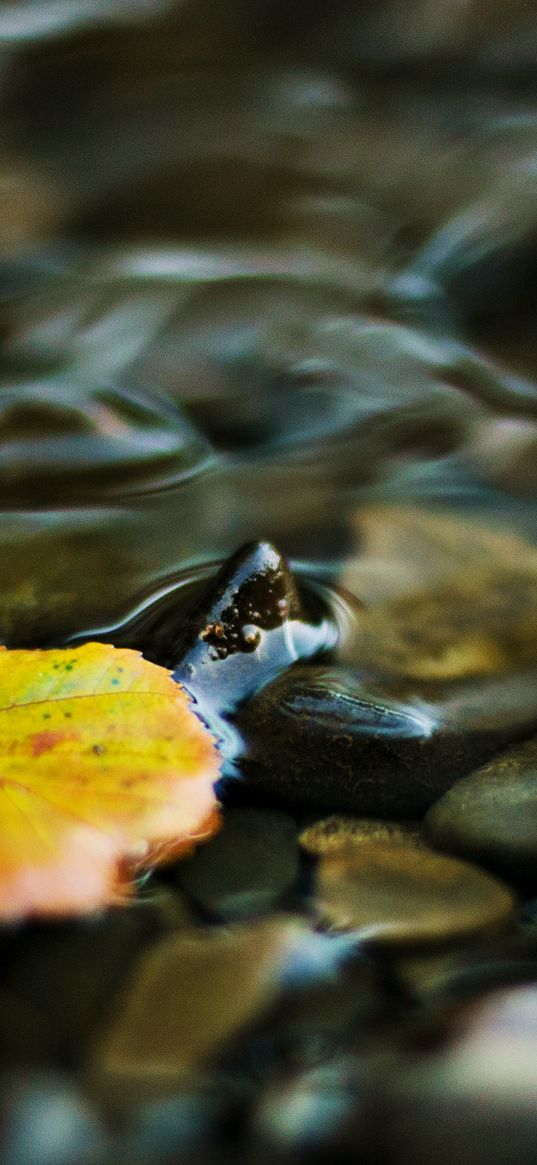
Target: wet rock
column 395, row 894
column 528, row 915
column 248, row 867
column 472, row 1098
column 335, row 833
column 445, row 597
column 70, row 972
column 189, row 997
column 249, row 627
column 491, row 815
column 330, row 738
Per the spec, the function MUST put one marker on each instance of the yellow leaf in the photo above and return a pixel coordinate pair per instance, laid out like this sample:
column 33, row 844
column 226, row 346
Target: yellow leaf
column 104, row 769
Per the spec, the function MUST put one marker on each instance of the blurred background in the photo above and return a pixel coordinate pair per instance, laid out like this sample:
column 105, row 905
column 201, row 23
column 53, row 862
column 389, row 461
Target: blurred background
column 265, row 267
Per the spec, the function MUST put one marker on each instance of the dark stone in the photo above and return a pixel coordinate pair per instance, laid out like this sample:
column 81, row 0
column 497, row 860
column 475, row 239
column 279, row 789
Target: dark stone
column 491, row 815
column 331, row 738
column 69, row 972
column 247, row 868
column 182, row 1126
column 465, row 970
column 26, row 1036
column 528, row 916
column 334, row 996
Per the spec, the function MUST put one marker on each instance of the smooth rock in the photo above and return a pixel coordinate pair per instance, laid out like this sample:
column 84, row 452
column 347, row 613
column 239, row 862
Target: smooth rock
column 393, row 894
column 330, row 738
column 331, row 834
column 247, row 868
column 185, row 1126
column 528, row 916
column 189, row 997
column 334, row 996
column 491, row 815
column 437, row 978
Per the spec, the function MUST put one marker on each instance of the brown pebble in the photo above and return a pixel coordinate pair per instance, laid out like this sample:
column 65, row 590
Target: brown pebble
column 190, row 995
column 446, row 598
column 491, row 815
column 394, row 894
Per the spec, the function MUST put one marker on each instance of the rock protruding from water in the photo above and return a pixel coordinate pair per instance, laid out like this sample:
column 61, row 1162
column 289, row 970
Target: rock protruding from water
column 250, row 626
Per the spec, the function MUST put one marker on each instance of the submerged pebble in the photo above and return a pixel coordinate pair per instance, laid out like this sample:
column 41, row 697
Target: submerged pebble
column 331, row 738
column 189, row 997
column 491, row 815
column 247, row 868
column 46, row 1121
column 393, row 894
column 312, row 1114
column 73, row 952
column 331, row 834
column 445, row 597
column 27, row 1037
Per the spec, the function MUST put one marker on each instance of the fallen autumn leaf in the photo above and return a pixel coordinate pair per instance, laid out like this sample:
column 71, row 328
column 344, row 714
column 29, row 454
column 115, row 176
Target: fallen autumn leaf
column 104, row 769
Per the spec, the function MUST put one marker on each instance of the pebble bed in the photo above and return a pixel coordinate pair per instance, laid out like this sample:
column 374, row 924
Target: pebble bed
column 268, row 413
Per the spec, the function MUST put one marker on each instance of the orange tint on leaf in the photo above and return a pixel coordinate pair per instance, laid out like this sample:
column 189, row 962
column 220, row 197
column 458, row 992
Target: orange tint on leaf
column 104, row 769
